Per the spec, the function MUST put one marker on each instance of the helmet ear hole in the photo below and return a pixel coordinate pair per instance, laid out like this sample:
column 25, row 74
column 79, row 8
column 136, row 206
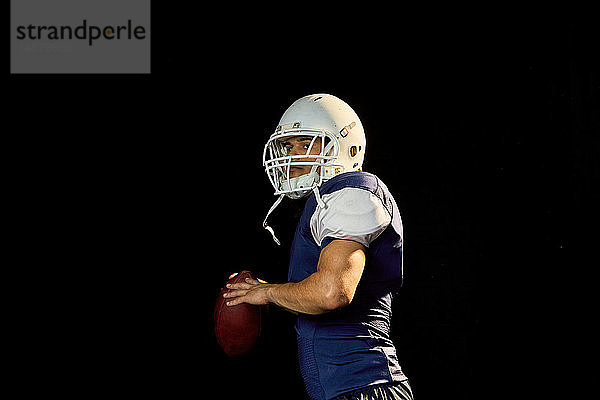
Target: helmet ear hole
column 353, row 151
column 326, row 142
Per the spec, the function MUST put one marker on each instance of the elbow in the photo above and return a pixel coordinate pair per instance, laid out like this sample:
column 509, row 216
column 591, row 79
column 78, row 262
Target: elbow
column 335, row 299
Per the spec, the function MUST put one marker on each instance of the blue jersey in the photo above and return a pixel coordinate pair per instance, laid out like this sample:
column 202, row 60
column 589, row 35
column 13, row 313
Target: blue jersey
column 350, row 348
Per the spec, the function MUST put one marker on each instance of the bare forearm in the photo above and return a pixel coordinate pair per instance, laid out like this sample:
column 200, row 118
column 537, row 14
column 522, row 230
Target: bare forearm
column 309, row 296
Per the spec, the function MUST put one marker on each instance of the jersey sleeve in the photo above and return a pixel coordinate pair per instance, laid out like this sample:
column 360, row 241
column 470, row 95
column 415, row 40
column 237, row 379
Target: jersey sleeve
column 351, row 214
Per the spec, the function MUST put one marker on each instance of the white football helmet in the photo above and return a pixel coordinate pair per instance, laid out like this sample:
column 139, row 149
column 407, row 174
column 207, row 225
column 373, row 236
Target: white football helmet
column 343, row 144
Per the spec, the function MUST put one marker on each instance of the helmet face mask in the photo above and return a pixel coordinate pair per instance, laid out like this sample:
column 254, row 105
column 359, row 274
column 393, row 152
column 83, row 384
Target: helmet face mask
column 341, row 146
column 279, row 163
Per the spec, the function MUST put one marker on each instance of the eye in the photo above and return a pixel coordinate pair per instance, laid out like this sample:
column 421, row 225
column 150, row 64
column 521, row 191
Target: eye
column 286, row 147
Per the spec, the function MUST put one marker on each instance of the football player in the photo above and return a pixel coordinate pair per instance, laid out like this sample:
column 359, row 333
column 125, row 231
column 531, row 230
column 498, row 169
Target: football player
column 346, row 257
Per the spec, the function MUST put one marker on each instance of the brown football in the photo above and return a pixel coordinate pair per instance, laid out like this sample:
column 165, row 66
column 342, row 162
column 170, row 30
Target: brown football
column 237, row 328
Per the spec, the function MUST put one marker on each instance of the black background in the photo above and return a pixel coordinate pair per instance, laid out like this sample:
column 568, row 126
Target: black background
column 137, row 196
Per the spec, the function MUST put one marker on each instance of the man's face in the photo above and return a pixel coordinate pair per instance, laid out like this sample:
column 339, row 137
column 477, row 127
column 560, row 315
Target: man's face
column 299, row 145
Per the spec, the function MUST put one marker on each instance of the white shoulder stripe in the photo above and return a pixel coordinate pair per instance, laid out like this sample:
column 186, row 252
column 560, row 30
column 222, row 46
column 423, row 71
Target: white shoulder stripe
column 351, row 213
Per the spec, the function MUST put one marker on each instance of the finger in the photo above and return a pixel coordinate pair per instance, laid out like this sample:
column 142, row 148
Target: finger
column 255, row 281
column 235, row 293
column 240, row 285
column 235, row 302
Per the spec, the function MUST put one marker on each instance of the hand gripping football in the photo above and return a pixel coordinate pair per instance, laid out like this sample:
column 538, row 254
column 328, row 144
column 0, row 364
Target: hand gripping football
column 237, row 328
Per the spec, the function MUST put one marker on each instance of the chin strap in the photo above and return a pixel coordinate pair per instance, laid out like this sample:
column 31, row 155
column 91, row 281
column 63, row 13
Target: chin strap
column 320, row 201
column 267, row 227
